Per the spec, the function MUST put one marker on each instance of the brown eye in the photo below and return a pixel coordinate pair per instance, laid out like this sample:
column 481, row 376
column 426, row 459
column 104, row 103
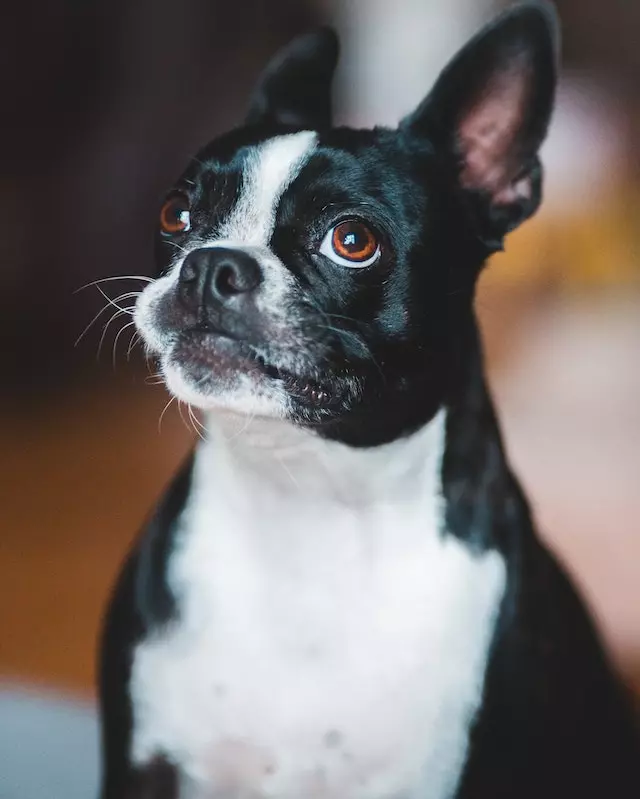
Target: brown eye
column 174, row 215
column 354, row 241
column 351, row 243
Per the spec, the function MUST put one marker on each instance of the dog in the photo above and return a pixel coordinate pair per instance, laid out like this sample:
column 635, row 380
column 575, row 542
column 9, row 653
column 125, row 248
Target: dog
column 342, row 595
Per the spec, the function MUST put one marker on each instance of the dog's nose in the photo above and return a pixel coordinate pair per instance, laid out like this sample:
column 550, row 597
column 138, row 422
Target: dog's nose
column 218, row 276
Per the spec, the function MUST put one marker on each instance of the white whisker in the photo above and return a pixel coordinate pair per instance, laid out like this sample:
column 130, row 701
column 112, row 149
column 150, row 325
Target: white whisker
column 109, row 279
column 124, row 296
column 115, row 341
column 118, row 313
column 195, row 423
column 195, row 418
column 164, row 410
column 95, row 319
column 135, row 338
column 287, row 470
column 102, row 310
column 178, row 247
column 181, row 403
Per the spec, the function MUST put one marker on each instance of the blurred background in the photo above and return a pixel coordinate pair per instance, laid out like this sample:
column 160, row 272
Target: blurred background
column 102, row 104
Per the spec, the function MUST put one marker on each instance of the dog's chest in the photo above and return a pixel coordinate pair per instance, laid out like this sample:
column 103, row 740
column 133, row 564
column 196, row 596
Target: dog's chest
column 321, row 650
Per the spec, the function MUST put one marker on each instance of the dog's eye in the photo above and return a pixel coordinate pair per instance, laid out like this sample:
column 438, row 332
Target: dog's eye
column 351, row 244
column 174, row 215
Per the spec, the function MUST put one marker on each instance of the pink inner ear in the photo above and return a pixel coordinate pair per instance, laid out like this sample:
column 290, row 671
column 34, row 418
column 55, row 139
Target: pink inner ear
column 488, row 139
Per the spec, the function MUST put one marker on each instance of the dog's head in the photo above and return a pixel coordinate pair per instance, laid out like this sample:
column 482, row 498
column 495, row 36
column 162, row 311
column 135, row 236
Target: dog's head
column 326, row 275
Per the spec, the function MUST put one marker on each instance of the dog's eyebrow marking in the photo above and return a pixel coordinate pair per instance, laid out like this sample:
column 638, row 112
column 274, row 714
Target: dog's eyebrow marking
column 269, row 169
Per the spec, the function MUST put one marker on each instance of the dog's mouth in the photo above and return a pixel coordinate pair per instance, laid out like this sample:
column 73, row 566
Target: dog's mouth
column 313, row 391
column 207, row 358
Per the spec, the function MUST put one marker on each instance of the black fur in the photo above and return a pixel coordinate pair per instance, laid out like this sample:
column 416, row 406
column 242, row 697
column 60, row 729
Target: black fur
column 295, row 89
column 403, row 342
column 141, row 603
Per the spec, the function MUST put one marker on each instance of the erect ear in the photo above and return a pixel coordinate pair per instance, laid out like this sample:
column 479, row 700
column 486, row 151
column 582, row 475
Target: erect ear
column 295, row 87
column 488, row 115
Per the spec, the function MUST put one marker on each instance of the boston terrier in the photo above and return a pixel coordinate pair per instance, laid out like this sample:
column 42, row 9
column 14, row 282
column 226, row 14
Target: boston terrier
column 342, row 595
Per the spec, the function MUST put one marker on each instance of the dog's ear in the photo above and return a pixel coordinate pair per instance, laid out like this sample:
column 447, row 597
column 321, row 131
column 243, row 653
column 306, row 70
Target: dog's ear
column 489, row 112
column 295, row 87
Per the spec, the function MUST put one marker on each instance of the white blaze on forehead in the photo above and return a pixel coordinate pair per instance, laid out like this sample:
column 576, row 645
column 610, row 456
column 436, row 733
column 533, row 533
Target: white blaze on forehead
column 269, row 170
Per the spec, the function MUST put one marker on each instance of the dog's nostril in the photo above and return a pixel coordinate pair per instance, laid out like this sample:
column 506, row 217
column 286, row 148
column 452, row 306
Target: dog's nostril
column 235, row 276
column 228, row 281
column 189, row 272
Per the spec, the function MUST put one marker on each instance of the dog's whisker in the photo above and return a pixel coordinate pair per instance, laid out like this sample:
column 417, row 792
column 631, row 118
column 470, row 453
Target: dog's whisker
column 135, row 338
column 115, row 316
column 102, row 310
column 340, row 316
column 127, row 295
column 202, row 380
column 154, row 380
column 116, row 339
column 197, row 427
column 124, row 296
column 91, row 323
column 109, row 279
column 149, row 362
column 287, row 471
column 181, row 404
column 195, row 418
column 164, row 410
column 177, row 246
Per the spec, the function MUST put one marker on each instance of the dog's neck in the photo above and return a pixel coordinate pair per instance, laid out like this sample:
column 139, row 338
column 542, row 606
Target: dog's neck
column 462, row 436
column 298, row 462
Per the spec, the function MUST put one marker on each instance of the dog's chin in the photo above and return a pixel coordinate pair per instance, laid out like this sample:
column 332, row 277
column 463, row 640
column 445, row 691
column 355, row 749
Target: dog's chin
column 240, row 394
column 215, row 372
column 218, row 373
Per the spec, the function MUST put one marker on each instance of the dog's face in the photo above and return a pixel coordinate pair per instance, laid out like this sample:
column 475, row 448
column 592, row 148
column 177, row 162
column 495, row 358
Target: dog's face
column 326, row 275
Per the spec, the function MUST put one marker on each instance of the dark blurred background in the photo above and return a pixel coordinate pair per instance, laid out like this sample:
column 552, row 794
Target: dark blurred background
column 101, row 106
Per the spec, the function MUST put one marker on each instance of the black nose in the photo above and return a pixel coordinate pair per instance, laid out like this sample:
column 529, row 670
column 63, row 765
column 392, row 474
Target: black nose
column 218, row 276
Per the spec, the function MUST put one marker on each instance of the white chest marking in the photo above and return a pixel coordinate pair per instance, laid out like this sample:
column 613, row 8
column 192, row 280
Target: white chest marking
column 331, row 642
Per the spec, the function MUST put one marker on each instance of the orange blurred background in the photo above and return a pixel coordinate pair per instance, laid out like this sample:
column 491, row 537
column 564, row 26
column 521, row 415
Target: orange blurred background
column 102, row 105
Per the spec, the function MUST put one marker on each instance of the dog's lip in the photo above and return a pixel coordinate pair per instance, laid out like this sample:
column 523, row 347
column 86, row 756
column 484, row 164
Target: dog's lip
column 216, row 349
column 211, row 347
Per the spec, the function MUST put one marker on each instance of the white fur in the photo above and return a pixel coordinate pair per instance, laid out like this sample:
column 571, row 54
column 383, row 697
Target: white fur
column 243, row 394
column 270, row 169
column 331, row 639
